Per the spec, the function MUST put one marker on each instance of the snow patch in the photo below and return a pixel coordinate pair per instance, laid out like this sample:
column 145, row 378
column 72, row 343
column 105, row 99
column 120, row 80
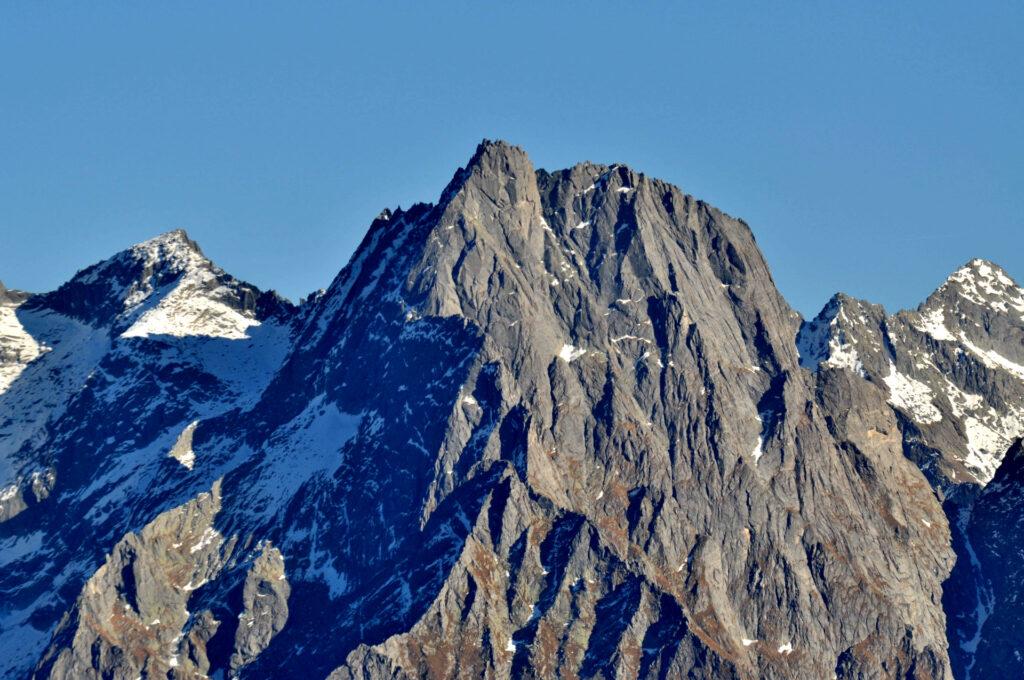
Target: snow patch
column 992, row 358
column 933, row 322
column 843, row 355
column 43, row 387
column 206, row 540
column 17, row 346
column 823, row 342
column 989, row 435
column 961, row 402
column 187, row 312
column 568, row 353
column 197, row 304
column 308, row 446
column 911, row 396
column 631, row 337
column 758, row 450
column 182, row 449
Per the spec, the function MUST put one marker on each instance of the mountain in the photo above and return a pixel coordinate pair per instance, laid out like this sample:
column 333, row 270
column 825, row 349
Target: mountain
column 953, row 368
column 557, row 424
column 953, row 371
column 17, row 348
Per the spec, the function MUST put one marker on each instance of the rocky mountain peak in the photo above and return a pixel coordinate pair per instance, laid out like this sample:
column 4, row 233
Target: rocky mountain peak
column 982, row 272
column 980, row 307
column 159, row 259
column 552, row 425
column 836, row 337
column 979, row 287
column 162, row 286
column 172, row 251
column 494, row 163
column 953, row 368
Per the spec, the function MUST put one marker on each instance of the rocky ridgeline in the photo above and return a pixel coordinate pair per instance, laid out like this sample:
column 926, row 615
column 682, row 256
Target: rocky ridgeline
column 554, row 425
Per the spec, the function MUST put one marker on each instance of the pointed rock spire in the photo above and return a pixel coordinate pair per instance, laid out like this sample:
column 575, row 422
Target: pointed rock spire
column 495, row 170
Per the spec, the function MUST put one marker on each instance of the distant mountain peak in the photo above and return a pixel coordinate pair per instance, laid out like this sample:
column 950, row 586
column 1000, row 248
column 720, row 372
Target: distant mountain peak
column 982, row 268
column 954, row 367
column 830, row 338
column 983, row 273
column 162, row 286
column 984, row 284
column 11, row 296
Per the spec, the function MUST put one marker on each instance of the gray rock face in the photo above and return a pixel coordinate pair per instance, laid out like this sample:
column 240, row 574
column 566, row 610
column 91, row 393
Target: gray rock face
column 555, row 425
column 265, row 601
column 132, row 618
column 12, row 297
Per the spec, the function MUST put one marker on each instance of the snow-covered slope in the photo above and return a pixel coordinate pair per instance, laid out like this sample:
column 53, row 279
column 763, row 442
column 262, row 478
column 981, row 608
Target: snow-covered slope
column 17, row 346
column 198, row 303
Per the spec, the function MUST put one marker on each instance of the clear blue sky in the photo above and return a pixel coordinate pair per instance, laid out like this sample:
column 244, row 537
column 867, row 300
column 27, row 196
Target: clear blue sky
column 873, row 147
